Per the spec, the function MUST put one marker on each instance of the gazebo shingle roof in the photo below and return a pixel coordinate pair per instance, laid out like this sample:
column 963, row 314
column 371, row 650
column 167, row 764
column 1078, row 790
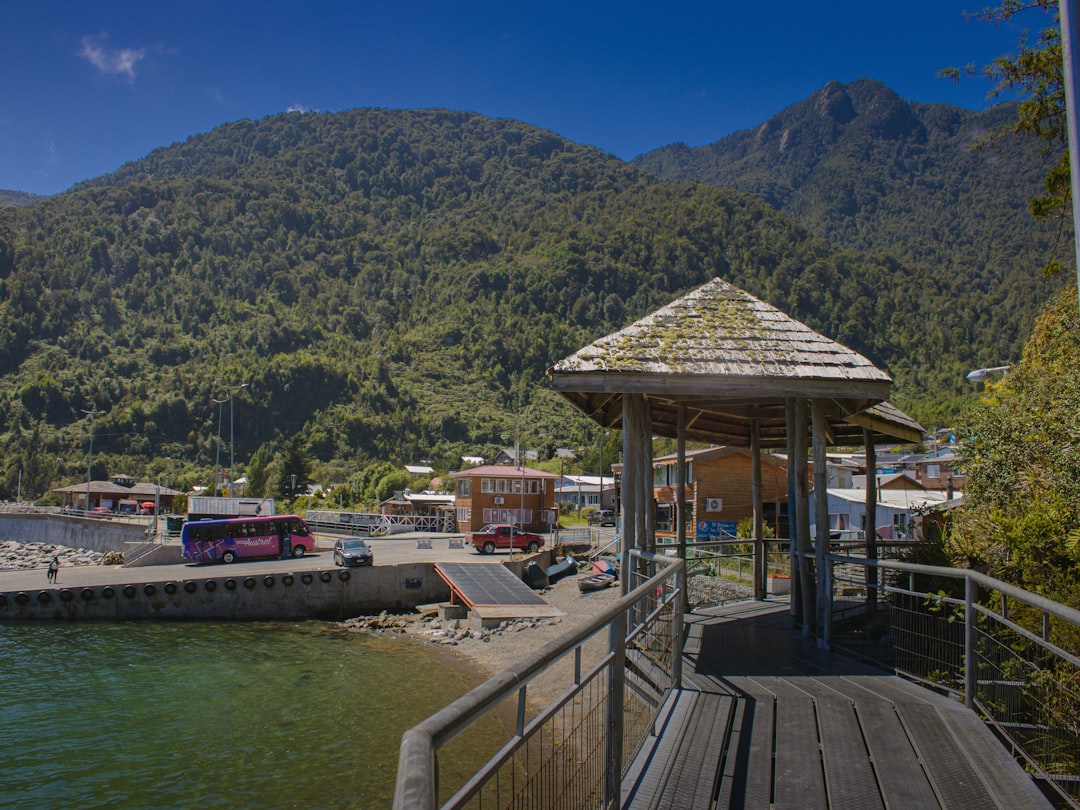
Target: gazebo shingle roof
column 719, row 331
column 731, row 359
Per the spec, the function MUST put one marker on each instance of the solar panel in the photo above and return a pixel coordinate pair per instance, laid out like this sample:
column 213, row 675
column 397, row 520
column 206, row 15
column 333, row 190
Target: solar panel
column 486, row 584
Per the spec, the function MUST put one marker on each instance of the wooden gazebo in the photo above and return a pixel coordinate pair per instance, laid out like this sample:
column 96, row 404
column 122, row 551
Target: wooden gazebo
column 719, row 365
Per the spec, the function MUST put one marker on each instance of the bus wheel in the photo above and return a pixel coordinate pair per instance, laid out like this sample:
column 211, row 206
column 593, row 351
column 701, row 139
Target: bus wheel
column 228, row 556
column 298, row 551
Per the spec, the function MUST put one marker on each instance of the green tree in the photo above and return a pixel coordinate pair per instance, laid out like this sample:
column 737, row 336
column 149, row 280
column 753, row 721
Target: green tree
column 295, row 468
column 258, row 471
column 1021, row 518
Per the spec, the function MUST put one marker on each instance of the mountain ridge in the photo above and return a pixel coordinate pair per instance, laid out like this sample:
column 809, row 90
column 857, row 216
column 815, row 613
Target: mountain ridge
column 393, row 285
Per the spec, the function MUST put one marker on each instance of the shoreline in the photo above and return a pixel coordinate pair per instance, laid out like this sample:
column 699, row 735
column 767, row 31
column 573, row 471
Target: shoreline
column 492, row 651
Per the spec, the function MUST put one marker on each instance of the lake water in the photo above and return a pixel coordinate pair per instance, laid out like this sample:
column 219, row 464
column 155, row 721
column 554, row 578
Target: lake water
column 211, row 715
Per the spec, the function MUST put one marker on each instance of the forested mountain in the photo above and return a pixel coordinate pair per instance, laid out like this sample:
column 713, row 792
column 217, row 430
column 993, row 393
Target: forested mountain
column 18, row 198
column 393, row 284
column 870, row 171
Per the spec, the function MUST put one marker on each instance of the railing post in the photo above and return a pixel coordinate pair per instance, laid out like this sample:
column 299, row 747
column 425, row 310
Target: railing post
column 970, row 665
column 613, row 745
column 827, row 623
column 677, row 631
column 417, row 785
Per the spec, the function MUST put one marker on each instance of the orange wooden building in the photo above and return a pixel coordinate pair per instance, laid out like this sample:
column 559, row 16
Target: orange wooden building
column 503, row 494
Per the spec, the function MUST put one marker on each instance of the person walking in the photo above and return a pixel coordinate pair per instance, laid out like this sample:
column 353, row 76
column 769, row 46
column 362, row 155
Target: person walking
column 54, row 570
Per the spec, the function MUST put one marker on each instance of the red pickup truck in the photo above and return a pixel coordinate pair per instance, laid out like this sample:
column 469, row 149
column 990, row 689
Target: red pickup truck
column 495, row 536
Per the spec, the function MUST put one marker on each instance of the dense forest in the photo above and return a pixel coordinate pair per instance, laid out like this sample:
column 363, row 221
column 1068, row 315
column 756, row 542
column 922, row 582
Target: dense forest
column 394, row 284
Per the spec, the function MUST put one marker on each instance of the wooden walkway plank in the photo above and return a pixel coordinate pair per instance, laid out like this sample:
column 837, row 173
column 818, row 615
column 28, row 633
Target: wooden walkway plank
column 1003, row 776
column 692, row 783
column 754, row 788
column 954, row 777
column 849, row 776
column 799, row 780
column 686, row 757
column 735, row 756
column 769, row 720
column 903, row 780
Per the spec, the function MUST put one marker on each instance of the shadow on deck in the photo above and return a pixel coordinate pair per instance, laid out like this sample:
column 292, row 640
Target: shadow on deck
column 766, row 719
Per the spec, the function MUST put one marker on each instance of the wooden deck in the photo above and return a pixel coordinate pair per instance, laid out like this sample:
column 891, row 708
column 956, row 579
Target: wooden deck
column 767, row 720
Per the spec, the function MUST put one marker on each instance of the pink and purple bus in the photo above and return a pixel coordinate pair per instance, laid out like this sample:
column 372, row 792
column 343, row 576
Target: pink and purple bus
column 233, row 538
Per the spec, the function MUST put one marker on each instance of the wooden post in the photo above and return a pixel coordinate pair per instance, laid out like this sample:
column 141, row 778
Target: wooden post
column 793, row 535
column 631, row 438
column 871, row 518
column 760, row 568
column 802, row 515
column 680, row 497
column 821, row 513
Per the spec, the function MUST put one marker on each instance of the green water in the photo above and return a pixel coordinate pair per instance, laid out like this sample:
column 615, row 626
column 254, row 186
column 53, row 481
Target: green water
column 211, row 715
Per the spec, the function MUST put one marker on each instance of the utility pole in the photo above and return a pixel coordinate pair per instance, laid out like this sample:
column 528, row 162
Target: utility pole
column 217, row 458
column 90, row 455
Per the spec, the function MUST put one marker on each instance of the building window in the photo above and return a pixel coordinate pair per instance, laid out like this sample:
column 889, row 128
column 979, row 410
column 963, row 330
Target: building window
column 464, row 487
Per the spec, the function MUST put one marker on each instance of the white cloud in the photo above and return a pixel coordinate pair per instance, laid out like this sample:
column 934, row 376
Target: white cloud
column 300, row 108
column 120, row 62
column 50, row 160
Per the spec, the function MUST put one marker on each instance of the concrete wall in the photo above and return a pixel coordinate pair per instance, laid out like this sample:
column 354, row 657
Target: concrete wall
column 139, row 555
column 328, row 594
column 96, row 534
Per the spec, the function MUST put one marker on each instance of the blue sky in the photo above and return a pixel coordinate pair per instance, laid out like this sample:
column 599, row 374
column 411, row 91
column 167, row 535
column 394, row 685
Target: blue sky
column 88, row 86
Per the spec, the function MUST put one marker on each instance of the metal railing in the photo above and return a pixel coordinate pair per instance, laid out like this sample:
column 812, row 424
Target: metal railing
column 613, row 671
column 377, row 525
column 1004, row 651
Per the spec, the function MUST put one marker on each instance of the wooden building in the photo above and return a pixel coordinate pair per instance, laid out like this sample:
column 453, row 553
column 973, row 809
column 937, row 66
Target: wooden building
column 122, row 495
column 718, row 492
column 503, row 494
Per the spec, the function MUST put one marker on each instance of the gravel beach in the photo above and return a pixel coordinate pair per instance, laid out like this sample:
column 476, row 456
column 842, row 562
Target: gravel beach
column 492, row 651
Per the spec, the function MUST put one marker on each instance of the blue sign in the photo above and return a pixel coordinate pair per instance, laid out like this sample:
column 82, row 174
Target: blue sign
column 716, row 529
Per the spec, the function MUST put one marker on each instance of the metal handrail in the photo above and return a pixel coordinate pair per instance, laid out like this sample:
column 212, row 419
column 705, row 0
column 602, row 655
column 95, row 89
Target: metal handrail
column 986, row 654
column 1056, row 609
column 417, row 776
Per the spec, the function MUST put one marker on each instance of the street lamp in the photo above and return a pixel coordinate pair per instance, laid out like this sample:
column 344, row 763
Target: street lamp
column 90, row 455
column 232, row 389
column 979, row 374
column 217, row 458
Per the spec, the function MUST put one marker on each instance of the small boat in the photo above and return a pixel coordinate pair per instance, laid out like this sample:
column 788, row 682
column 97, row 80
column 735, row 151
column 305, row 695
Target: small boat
column 535, row 577
column 596, row 582
column 603, row 567
column 561, row 570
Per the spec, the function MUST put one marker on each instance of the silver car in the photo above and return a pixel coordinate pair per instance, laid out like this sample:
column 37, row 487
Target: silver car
column 352, row 551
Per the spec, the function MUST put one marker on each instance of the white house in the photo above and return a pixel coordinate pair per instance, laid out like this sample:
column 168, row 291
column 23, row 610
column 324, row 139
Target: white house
column 897, row 511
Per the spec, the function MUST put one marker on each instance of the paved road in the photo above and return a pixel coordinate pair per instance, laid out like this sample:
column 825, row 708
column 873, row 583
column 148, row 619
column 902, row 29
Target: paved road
column 388, row 551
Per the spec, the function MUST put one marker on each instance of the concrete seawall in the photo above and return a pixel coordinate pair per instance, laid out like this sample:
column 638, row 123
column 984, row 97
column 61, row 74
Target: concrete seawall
column 323, row 594
column 96, row 534
column 162, row 589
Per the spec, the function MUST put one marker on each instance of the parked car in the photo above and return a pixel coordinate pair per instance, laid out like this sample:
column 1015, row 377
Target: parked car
column 495, row 536
column 101, row 512
column 352, row 551
column 602, row 517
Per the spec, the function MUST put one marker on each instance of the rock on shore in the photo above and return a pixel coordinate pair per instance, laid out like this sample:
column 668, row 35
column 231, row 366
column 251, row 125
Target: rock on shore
column 16, row 556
